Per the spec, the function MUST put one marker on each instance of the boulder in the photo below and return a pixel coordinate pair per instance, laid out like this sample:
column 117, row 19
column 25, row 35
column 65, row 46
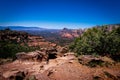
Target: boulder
column 52, row 53
column 21, row 75
column 2, row 77
column 31, row 56
column 63, row 50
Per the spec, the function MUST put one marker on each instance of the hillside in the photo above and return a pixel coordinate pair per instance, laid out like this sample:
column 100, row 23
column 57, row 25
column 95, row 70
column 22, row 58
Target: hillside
column 12, row 42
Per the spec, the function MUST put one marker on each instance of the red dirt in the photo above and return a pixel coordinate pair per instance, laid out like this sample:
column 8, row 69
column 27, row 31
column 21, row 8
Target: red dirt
column 62, row 68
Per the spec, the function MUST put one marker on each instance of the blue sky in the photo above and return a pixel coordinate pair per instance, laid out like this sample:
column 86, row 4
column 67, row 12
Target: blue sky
column 59, row 13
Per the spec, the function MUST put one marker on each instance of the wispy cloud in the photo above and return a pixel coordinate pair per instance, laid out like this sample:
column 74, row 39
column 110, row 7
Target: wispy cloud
column 49, row 25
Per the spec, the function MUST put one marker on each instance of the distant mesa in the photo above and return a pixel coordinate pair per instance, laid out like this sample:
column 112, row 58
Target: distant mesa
column 65, row 29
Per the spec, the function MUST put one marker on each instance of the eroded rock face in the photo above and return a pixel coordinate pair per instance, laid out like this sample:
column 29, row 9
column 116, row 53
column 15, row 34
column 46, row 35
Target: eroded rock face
column 38, row 41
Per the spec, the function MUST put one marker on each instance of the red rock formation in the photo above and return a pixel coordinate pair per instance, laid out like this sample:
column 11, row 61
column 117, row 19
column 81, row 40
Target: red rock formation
column 71, row 33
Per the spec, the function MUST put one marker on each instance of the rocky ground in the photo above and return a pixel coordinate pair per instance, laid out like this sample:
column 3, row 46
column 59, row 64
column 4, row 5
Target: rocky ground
column 66, row 67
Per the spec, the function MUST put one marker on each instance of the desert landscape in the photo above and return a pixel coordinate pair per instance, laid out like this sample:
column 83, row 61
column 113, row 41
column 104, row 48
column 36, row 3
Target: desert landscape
column 46, row 60
column 59, row 39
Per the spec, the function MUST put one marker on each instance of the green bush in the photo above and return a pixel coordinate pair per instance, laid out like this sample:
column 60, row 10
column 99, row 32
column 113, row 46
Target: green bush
column 10, row 49
column 98, row 40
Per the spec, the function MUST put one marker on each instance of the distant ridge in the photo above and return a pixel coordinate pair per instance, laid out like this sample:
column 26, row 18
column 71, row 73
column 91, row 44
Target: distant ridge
column 21, row 28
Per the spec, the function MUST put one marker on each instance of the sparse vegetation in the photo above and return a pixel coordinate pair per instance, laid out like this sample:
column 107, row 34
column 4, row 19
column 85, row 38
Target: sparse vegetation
column 9, row 50
column 54, row 37
column 95, row 63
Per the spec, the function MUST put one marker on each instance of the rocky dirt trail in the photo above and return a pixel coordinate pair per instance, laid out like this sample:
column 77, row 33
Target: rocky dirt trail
column 61, row 68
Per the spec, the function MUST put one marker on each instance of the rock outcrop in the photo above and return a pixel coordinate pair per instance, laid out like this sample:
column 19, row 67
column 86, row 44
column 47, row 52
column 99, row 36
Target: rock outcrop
column 43, row 55
column 14, row 75
column 93, row 61
column 32, row 56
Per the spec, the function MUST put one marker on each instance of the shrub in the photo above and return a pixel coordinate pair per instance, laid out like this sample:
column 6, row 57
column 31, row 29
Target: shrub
column 98, row 40
column 10, row 49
